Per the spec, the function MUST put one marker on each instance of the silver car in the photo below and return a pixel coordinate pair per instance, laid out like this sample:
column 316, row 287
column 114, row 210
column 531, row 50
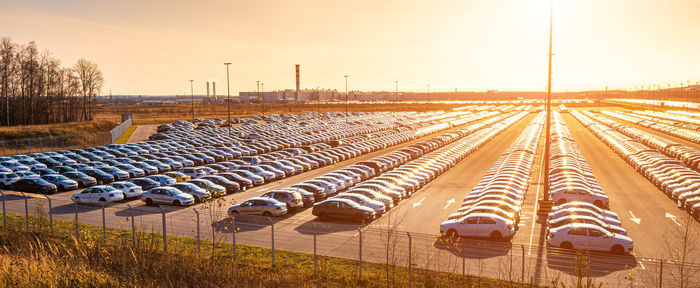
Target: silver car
column 258, row 206
column 167, row 195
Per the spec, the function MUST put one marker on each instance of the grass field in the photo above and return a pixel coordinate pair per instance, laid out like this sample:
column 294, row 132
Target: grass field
column 30, row 131
column 35, row 258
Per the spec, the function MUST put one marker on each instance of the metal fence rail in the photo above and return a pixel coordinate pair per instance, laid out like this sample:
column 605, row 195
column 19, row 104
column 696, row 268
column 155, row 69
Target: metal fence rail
column 120, row 129
column 208, row 230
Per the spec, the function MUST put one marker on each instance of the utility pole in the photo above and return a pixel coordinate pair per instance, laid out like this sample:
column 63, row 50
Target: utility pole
column 346, row 99
column 262, row 100
column 192, row 99
column 548, row 107
column 228, row 98
column 318, row 99
column 258, row 83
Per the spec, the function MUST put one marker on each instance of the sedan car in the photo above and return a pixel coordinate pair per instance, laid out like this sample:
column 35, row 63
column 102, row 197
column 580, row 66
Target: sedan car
column 198, row 193
column 589, row 237
column 33, row 185
column 479, row 225
column 167, row 195
column 128, row 189
column 62, row 183
column 258, row 206
column 98, row 194
column 342, row 209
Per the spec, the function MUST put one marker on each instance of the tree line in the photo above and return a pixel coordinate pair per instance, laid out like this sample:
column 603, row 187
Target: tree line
column 36, row 89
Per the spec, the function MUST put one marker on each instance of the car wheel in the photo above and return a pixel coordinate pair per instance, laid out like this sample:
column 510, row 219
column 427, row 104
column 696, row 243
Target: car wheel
column 598, row 204
column 149, row 202
column 234, row 214
column 496, row 236
column 617, row 249
column 359, row 218
column 323, row 216
column 76, row 199
column 176, row 203
column 267, row 214
column 60, row 187
column 103, row 200
column 452, row 233
column 566, row 245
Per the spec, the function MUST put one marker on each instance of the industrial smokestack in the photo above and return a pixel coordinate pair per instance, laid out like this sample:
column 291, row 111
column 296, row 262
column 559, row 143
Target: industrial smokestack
column 207, row 89
column 213, row 91
column 296, row 94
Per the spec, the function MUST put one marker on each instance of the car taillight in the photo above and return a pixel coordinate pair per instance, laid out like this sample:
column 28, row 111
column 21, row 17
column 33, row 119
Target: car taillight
column 278, row 208
column 510, row 227
column 550, row 235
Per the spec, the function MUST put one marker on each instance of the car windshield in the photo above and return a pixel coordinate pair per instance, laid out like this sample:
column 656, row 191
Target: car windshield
column 175, row 191
column 352, row 204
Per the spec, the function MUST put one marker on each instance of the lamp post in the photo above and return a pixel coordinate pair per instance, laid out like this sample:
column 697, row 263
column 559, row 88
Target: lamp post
column 318, row 99
column 548, row 106
column 428, row 97
column 192, row 99
column 258, row 83
column 228, row 98
column 346, row 99
column 262, row 100
column 396, row 98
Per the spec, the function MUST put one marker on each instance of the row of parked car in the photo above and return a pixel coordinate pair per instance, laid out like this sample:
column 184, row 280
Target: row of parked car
column 369, row 192
column 687, row 121
column 61, row 170
column 690, row 156
column 492, row 208
column 665, row 126
column 581, row 219
column 670, row 175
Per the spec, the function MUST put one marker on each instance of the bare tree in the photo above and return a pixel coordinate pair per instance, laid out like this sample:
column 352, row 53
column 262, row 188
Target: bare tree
column 91, row 82
column 681, row 245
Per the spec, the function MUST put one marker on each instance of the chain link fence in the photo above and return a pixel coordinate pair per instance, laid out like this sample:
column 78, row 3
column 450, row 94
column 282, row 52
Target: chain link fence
column 402, row 257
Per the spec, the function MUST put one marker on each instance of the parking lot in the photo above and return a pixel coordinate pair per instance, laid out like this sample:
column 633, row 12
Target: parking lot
column 648, row 215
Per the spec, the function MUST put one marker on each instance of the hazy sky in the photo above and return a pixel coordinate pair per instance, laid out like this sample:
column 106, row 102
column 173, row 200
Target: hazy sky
column 155, row 46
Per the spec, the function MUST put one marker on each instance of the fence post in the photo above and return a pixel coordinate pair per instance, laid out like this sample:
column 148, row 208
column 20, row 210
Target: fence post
column 165, row 239
column 4, row 215
column 77, row 228
column 233, row 235
column 410, row 261
column 522, row 272
column 41, row 146
column 272, row 229
column 315, row 257
column 661, row 272
column 50, row 214
column 464, row 264
column 133, row 226
column 26, row 210
column 196, row 212
column 104, row 226
column 360, row 234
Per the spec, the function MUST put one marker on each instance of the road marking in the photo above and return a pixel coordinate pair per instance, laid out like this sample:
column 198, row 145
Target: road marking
column 634, row 218
column 537, row 199
column 449, row 202
column 418, row 203
column 673, row 218
column 641, row 265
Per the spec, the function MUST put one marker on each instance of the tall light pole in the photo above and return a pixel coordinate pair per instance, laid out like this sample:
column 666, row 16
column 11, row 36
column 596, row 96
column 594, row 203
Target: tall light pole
column 192, row 99
column 396, row 98
column 262, row 100
column 228, row 98
column 258, row 83
column 318, row 99
column 346, row 99
column 548, row 106
column 428, row 97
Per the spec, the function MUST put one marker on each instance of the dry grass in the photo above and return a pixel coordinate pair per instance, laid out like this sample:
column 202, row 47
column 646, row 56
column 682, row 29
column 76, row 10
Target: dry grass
column 36, row 259
column 29, row 131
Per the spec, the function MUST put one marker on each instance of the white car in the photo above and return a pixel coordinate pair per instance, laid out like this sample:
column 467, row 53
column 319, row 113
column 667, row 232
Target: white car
column 586, row 205
column 98, row 194
column 129, row 189
column 7, row 178
column 194, row 172
column 569, row 194
column 166, row 195
column 479, row 225
column 584, row 212
column 590, row 237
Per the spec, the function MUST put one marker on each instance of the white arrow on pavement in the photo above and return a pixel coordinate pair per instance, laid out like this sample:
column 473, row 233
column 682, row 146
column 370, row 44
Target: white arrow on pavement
column 449, row 202
column 634, row 218
column 418, row 203
column 673, row 218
